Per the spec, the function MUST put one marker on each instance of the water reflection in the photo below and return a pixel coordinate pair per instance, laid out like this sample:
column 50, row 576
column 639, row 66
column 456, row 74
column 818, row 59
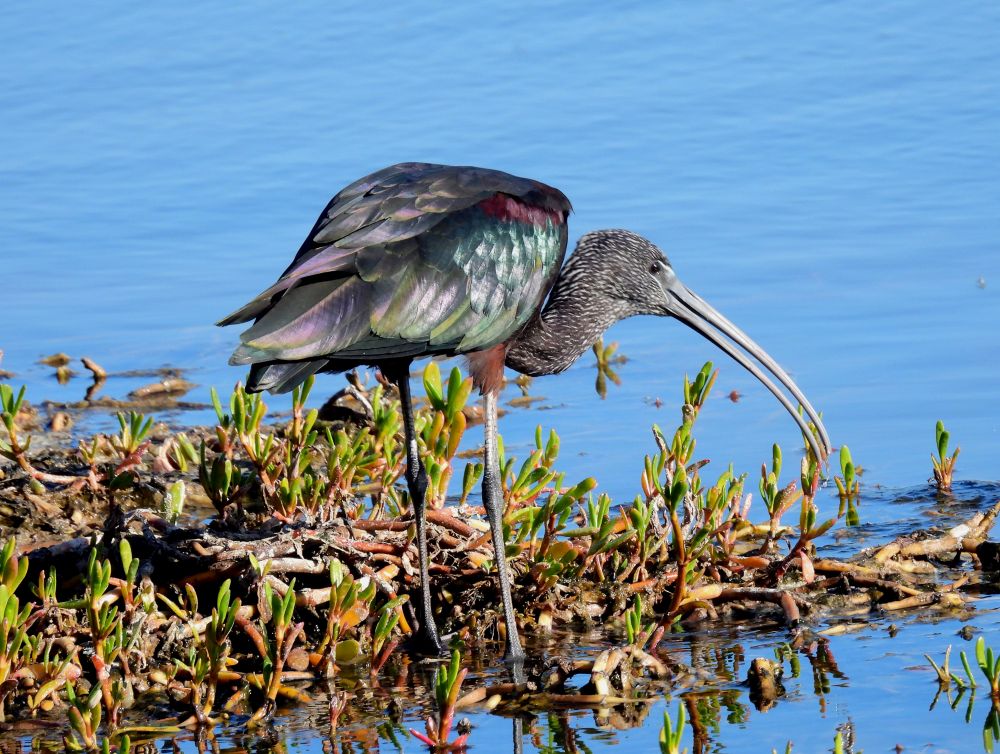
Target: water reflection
column 710, row 682
column 954, row 687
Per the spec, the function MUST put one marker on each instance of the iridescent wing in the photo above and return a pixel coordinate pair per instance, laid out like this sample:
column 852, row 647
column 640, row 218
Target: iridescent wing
column 414, row 259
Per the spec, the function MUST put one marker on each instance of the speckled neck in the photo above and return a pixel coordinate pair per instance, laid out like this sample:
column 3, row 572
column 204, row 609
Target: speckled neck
column 575, row 317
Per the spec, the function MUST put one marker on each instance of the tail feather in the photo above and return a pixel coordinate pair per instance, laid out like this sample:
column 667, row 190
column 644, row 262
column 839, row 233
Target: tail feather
column 280, row 377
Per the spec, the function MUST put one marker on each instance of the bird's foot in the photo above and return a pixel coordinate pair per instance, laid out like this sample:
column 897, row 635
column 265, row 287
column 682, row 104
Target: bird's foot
column 514, row 655
column 427, row 643
column 515, row 661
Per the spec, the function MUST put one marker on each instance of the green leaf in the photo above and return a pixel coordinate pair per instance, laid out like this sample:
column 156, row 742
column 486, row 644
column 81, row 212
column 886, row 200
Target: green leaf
column 347, row 651
column 394, row 603
column 942, row 443
column 432, row 385
column 173, row 501
column 677, row 491
column 845, row 459
column 981, row 654
column 617, row 542
column 336, row 572
column 458, row 393
column 125, row 551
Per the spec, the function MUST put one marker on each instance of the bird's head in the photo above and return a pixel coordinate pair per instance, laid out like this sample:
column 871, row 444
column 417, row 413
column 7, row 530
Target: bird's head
column 630, row 275
column 628, row 271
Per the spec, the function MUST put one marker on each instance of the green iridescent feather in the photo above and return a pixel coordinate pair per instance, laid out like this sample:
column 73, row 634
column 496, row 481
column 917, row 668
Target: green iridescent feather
column 409, row 261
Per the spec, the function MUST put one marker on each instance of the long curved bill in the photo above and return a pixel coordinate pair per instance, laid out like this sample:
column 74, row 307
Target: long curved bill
column 689, row 308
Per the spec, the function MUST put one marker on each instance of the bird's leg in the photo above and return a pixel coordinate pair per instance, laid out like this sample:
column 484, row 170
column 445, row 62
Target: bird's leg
column 493, row 501
column 416, row 482
column 518, row 733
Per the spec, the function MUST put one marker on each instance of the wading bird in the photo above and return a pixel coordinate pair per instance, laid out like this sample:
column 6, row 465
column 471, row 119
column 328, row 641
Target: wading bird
column 421, row 260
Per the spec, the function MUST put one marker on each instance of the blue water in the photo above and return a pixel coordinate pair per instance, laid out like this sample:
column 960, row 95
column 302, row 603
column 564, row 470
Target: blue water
column 828, row 175
column 879, row 684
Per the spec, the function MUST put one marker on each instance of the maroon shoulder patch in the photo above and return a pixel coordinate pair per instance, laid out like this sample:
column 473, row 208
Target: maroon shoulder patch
column 507, row 208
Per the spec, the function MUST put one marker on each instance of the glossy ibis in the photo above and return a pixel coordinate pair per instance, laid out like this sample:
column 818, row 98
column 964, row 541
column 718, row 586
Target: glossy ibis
column 420, row 260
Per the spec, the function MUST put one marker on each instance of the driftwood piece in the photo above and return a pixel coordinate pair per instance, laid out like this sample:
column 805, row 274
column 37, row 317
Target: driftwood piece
column 965, row 538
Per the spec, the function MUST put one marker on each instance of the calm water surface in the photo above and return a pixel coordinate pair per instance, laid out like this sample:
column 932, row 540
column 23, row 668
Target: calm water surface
column 828, row 176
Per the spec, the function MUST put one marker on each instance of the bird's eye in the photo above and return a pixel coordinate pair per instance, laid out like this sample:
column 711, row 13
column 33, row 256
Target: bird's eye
column 655, row 268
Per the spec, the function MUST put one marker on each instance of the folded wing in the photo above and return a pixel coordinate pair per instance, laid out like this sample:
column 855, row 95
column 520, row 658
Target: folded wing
column 414, row 259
